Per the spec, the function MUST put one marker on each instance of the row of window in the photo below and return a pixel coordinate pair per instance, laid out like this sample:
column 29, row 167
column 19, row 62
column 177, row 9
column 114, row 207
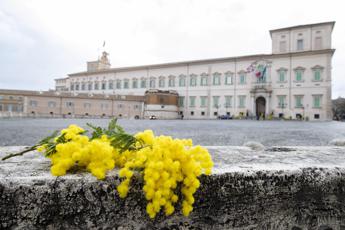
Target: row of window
column 151, row 83
column 300, row 44
column 3, row 97
column 11, row 108
column 193, row 80
column 299, row 74
column 317, row 101
column 215, row 101
column 87, row 105
column 203, row 101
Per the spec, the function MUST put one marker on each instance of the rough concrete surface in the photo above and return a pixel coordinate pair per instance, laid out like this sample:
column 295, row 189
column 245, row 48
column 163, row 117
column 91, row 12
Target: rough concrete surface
column 274, row 188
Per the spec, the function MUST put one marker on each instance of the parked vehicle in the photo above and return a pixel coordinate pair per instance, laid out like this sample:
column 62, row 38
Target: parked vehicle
column 153, row 117
column 225, row 117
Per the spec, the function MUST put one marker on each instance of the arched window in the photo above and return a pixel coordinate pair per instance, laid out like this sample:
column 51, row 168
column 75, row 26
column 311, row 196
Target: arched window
column 152, row 83
column 203, row 79
column 193, row 79
column 182, row 80
column 216, row 78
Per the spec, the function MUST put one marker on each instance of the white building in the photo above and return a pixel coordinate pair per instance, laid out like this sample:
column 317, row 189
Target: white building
column 293, row 81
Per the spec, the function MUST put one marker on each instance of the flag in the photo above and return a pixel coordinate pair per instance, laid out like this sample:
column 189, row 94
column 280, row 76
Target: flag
column 250, row 68
column 260, row 71
column 263, row 72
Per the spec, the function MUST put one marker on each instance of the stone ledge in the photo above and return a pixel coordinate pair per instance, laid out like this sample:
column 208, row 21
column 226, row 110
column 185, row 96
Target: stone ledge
column 275, row 188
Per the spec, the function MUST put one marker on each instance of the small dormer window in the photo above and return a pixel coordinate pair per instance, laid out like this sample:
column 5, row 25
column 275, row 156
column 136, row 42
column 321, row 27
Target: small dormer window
column 300, row 44
column 283, row 36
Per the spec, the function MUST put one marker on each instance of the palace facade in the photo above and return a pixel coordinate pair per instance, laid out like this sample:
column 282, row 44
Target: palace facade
column 293, row 81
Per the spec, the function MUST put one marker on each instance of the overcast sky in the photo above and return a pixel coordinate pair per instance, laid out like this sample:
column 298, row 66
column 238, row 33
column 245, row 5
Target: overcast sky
column 41, row 40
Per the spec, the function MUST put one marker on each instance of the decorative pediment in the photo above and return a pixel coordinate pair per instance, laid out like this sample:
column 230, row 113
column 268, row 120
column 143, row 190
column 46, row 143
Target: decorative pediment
column 193, row 75
column 217, row 74
column 317, row 67
column 242, row 72
column 299, row 68
column 171, row 76
column 161, row 77
column 204, row 74
column 182, row 75
column 229, row 73
column 282, row 69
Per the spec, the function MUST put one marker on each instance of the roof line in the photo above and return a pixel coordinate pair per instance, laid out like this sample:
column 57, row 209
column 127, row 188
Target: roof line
column 304, row 25
column 200, row 61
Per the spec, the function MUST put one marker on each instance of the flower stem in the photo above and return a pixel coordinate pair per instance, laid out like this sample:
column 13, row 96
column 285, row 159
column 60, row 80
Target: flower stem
column 32, row 148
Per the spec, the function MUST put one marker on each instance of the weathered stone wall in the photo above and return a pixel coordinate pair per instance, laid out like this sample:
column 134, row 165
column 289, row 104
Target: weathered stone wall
column 276, row 188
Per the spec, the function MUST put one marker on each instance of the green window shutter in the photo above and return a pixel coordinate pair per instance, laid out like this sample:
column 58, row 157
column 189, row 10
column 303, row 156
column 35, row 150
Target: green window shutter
column 298, row 75
column 227, row 101
column 203, row 101
column 192, row 101
column 317, row 75
column 215, row 101
column 242, row 101
column 317, row 101
column 242, row 79
column 282, row 76
column 182, row 82
column 181, row 101
column 298, row 101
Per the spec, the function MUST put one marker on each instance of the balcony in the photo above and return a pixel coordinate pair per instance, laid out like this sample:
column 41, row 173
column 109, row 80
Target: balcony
column 259, row 86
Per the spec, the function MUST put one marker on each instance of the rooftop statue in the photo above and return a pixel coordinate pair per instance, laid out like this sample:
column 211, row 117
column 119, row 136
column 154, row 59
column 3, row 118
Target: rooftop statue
column 104, row 58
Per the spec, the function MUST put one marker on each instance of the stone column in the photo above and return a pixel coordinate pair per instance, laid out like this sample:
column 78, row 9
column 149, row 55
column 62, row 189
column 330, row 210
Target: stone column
column 253, row 105
column 267, row 105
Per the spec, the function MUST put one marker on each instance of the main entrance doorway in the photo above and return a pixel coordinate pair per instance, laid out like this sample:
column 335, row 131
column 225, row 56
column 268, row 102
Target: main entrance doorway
column 260, row 106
